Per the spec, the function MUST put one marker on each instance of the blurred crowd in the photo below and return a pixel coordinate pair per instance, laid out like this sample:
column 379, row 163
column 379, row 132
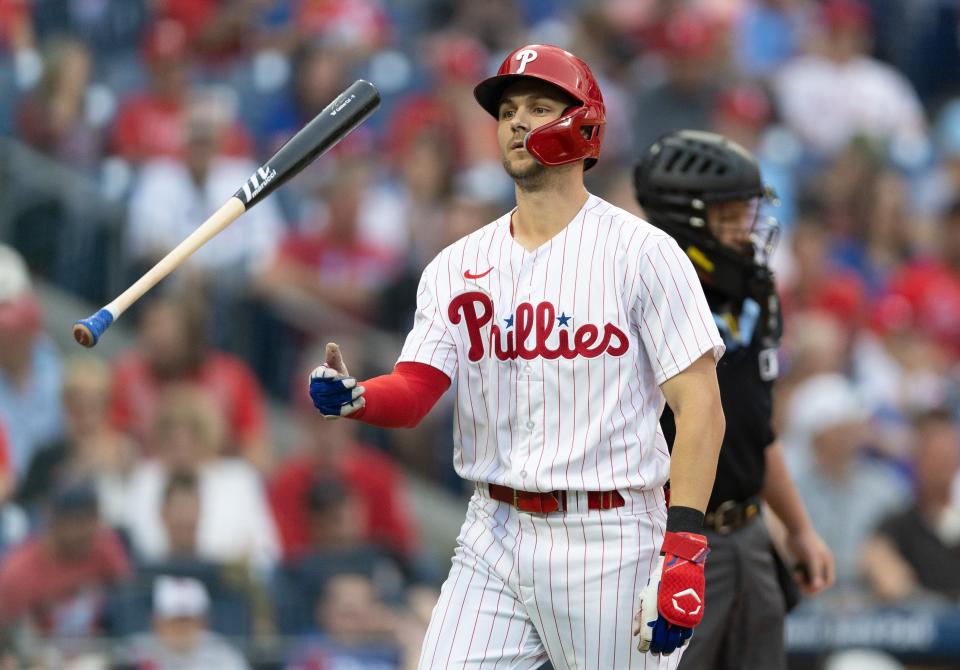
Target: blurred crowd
column 145, row 497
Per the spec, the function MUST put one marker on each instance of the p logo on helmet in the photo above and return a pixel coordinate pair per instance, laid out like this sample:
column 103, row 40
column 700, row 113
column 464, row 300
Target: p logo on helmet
column 525, row 56
column 578, row 133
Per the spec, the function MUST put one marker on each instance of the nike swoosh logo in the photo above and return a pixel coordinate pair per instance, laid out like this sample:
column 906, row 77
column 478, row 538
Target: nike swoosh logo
column 470, row 275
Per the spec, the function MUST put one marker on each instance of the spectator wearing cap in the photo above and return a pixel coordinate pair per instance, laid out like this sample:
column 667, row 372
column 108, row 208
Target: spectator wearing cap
column 91, row 449
column 846, row 493
column 240, row 599
column 690, row 43
column 913, row 554
column 863, row 96
column 152, row 123
column 173, row 348
column 55, row 581
column 179, row 637
column 30, row 366
column 235, row 525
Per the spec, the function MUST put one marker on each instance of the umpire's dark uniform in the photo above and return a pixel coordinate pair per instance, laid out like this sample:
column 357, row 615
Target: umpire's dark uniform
column 742, row 627
column 677, row 180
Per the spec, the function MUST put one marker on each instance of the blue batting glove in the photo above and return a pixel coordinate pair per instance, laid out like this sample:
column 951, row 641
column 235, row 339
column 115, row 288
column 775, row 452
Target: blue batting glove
column 334, row 394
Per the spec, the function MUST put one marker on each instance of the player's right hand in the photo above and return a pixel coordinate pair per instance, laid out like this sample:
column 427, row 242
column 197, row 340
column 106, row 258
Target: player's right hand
column 333, row 391
column 672, row 602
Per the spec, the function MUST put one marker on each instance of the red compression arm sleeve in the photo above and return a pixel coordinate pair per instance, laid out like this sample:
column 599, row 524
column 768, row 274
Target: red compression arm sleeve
column 402, row 398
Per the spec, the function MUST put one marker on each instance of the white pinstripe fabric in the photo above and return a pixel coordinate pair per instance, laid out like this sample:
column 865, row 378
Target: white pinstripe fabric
column 538, row 421
column 525, row 587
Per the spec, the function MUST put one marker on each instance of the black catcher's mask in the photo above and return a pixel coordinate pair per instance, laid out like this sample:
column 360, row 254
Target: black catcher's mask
column 676, row 179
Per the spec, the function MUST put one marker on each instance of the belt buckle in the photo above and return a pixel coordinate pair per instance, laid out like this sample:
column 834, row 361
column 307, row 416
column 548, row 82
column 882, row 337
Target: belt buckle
column 560, row 498
column 516, row 498
column 723, row 528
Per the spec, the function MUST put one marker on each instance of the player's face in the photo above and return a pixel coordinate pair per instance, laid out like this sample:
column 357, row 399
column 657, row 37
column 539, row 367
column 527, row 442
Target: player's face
column 732, row 222
column 525, row 106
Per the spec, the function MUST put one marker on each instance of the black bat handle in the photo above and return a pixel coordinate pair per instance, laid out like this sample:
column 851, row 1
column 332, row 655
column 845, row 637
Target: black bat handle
column 335, row 122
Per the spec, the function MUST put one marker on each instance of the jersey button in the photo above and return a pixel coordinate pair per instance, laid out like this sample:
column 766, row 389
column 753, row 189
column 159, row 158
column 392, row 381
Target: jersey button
column 530, row 425
column 523, row 474
column 527, row 369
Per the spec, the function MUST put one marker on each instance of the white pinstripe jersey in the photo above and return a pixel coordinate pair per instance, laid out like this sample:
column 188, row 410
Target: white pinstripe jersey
column 558, row 353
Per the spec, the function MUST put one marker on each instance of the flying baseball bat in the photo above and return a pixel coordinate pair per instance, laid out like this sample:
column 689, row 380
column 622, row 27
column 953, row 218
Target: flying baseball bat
column 327, row 128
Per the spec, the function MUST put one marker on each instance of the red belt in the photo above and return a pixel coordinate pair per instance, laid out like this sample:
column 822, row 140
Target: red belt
column 551, row 501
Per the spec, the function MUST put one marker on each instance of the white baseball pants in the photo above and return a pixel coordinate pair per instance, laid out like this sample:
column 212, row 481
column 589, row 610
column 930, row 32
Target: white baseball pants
column 525, row 588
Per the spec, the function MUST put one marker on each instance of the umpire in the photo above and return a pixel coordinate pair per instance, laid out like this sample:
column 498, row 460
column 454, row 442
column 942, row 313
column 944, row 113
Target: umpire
column 706, row 192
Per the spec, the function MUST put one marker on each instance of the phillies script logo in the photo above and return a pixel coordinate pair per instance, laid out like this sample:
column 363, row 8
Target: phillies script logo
column 534, row 326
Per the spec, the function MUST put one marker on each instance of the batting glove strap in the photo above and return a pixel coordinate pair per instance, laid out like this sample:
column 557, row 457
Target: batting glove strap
column 680, row 596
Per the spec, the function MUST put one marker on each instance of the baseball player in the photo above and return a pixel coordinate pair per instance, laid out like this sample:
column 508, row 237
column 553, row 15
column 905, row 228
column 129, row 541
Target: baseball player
column 706, row 191
column 566, row 324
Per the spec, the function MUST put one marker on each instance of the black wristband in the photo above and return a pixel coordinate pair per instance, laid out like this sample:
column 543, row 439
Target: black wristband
column 684, row 520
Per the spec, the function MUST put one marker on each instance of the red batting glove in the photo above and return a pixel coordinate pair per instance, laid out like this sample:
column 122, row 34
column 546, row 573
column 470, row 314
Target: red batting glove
column 672, row 602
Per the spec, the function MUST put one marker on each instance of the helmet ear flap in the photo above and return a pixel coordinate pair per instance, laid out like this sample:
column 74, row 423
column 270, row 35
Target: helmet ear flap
column 563, row 141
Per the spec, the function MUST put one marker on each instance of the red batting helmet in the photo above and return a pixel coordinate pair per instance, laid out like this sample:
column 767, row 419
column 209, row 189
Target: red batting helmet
column 578, row 133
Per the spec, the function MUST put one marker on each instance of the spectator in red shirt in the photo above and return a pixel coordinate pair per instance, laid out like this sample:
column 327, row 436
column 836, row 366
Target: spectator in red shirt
column 215, row 30
column 152, row 124
column 331, row 448
column 815, row 282
column 55, row 581
column 331, row 265
column 173, row 348
column 930, row 287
